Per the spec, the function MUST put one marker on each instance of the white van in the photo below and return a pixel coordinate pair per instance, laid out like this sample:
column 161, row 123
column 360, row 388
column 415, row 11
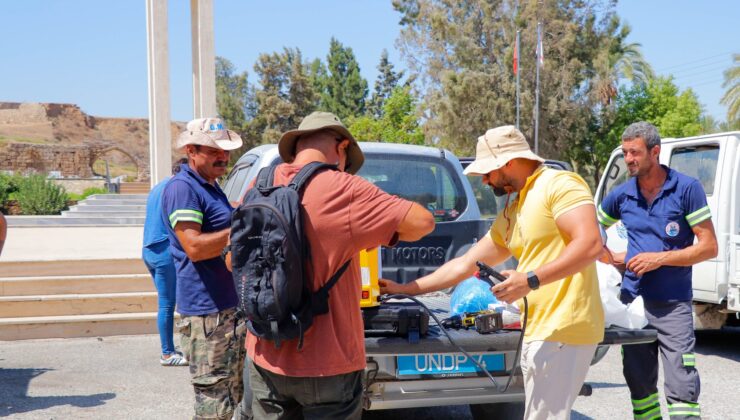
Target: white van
column 715, row 161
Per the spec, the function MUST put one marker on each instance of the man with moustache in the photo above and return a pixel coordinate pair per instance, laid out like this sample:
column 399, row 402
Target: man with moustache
column 550, row 228
column 662, row 210
column 198, row 217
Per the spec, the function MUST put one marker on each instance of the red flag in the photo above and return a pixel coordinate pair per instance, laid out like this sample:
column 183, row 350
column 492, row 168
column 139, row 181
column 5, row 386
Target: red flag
column 516, row 54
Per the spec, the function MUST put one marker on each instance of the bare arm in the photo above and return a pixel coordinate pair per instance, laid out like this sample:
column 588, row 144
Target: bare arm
column 704, row 249
column 417, row 223
column 578, row 227
column 453, row 271
column 200, row 246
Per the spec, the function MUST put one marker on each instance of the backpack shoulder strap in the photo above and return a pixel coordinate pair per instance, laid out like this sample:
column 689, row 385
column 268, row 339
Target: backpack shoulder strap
column 266, row 177
column 307, row 172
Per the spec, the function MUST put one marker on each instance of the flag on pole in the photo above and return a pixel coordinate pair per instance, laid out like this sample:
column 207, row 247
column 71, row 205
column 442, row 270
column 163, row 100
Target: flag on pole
column 516, row 54
column 540, row 51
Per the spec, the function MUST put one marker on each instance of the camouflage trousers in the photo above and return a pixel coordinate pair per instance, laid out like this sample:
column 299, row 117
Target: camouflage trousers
column 214, row 345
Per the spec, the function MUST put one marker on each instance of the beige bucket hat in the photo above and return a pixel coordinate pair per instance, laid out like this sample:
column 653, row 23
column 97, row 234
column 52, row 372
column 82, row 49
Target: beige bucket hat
column 498, row 146
column 211, row 132
column 320, row 121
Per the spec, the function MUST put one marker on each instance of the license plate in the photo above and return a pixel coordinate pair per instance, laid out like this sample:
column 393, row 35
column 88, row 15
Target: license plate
column 448, row 364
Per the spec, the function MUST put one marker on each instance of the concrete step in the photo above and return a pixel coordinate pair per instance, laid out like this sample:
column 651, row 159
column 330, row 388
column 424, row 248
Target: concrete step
column 116, row 197
column 99, row 325
column 88, row 207
column 30, row 221
column 121, row 213
column 77, row 304
column 61, row 285
column 134, row 188
column 72, row 267
column 115, row 202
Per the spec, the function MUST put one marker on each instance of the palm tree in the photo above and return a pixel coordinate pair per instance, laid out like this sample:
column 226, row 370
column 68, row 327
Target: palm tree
column 731, row 97
column 622, row 61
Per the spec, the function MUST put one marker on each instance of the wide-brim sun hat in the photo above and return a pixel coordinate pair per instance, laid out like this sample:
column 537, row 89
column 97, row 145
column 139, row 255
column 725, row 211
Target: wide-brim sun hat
column 317, row 121
column 497, row 147
column 211, row 132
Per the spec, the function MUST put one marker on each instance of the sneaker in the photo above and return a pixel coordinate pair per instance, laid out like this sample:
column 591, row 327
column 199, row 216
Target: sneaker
column 174, row 359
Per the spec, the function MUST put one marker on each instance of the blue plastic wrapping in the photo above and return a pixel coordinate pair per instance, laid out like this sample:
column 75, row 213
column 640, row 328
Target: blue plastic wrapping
column 471, row 295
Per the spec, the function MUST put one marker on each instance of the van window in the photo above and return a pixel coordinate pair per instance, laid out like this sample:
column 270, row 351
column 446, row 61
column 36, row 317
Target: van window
column 616, row 175
column 699, row 162
column 429, row 183
column 237, row 178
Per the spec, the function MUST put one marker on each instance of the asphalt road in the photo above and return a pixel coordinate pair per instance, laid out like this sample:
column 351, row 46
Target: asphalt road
column 120, row 378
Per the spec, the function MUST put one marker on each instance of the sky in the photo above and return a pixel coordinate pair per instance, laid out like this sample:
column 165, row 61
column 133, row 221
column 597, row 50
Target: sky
column 92, row 53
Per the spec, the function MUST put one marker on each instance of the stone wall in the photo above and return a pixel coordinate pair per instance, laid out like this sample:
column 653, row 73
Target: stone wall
column 68, row 160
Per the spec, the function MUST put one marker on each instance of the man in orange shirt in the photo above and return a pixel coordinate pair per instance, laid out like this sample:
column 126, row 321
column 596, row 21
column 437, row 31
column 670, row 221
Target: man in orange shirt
column 343, row 215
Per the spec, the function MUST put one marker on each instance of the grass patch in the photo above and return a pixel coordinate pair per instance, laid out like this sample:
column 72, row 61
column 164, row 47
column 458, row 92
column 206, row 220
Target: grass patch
column 9, row 140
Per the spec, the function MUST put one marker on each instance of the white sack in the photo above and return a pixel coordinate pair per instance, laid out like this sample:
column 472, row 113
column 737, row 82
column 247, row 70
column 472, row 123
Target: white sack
column 616, row 312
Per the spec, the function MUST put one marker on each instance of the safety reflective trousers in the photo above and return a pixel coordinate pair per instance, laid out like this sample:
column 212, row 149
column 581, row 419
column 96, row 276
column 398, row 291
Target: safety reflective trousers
column 674, row 323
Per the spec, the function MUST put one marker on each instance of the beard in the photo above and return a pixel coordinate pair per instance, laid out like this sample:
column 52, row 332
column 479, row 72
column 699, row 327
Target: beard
column 499, row 191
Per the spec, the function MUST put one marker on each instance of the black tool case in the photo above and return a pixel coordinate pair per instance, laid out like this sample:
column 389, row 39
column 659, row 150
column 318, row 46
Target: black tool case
column 396, row 319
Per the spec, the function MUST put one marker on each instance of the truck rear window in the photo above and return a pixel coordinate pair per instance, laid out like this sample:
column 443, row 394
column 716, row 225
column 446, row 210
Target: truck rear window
column 430, row 183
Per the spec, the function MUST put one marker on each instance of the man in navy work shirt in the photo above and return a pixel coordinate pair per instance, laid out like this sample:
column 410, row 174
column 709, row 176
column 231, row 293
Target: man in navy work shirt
column 198, row 216
column 662, row 210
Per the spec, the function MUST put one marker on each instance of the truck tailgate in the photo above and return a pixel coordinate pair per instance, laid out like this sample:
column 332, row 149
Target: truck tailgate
column 505, row 340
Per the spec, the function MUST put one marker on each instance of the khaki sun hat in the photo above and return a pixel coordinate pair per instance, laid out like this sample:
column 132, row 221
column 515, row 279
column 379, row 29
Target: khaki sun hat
column 317, row 121
column 498, row 146
column 209, row 132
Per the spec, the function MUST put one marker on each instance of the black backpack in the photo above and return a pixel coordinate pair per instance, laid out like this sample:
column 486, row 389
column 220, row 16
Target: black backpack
column 268, row 251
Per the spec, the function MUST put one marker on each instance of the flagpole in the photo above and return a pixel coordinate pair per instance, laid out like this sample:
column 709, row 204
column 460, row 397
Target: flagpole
column 516, row 70
column 537, row 91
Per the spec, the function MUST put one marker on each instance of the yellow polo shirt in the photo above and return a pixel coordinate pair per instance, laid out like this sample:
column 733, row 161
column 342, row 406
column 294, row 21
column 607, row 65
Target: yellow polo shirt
column 567, row 310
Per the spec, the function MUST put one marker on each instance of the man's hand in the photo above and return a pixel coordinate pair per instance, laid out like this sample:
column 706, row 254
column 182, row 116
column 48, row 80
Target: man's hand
column 645, row 262
column 390, row 287
column 514, row 288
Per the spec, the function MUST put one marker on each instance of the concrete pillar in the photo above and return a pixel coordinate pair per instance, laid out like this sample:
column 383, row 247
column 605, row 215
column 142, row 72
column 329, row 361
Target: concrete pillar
column 160, row 134
column 204, row 59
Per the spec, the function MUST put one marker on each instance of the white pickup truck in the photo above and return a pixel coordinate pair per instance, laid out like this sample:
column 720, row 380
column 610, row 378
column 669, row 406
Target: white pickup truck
column 431, row 372
column 715, row 161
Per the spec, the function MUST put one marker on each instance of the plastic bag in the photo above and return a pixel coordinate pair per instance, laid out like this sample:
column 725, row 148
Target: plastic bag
column 471, row 295
column 616, row 312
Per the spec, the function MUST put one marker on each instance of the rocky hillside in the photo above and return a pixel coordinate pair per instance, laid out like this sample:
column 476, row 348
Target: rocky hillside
column 66, row 125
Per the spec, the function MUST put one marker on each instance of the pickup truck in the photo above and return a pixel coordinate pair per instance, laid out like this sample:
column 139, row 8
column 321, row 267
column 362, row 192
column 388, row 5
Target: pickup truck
column 431, row 372
column 715, row 161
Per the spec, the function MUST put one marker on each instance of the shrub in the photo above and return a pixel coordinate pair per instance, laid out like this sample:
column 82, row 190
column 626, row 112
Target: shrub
column 37, row 195
column 8, row 186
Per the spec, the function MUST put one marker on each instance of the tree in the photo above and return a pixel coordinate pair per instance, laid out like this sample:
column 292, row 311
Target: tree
column 387, row 80
column 619, row 61
column 345, row 89
column 286, row 94
column 397, row 124
column 232, row 95
column 462, row 52
column 731, row 98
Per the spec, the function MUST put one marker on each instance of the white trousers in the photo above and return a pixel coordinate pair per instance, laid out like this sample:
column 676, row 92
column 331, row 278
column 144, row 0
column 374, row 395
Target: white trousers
column 553, row 375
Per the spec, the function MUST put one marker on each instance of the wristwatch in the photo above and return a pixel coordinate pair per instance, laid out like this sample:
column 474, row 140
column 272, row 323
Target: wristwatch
column 533, row 281
column 225, row 251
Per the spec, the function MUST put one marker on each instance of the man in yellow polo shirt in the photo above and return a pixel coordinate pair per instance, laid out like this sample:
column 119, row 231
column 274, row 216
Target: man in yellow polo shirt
column 551, row 229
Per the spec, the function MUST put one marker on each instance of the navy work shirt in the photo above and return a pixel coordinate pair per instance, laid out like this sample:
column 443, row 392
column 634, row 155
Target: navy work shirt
column 664, row 225
column 206, row 286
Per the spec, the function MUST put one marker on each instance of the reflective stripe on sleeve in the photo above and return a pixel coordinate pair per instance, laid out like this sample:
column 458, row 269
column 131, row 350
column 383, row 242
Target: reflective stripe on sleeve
column 185, row 216
column 699, row 216
column 684, row 409
column 604, row 218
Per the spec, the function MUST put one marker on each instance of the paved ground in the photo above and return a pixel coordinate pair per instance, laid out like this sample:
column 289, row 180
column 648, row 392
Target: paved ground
column 120, row 378
column 72, row 243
